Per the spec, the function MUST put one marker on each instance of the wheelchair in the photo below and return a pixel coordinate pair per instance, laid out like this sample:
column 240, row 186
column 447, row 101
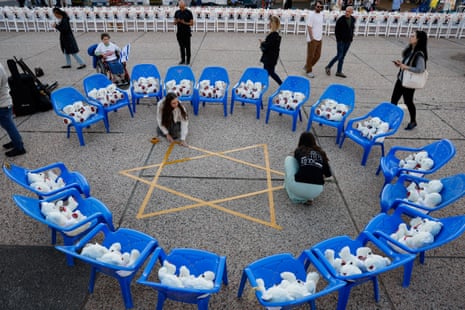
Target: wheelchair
column 115, row 70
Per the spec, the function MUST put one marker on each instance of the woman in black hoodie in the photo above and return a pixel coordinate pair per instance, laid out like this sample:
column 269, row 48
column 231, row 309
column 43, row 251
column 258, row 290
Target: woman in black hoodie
column 270, row 49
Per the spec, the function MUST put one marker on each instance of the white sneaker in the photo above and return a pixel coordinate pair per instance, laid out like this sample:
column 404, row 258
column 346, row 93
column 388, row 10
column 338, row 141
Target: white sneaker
column 310, row 75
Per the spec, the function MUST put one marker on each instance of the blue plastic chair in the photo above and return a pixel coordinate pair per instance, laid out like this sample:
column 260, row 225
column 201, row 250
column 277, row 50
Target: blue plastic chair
column 179, row 73
column 394, row 194
column 72, row 179
column 197, row 261
column 129, row 239
column 294, row 84
column 383, row 225
column 270, row 268
column 439, row 151
column 213, row 74
column 389, row 113
column 95, row 211
column 364, row 239
column 97, row 81
column 340, row 93
column 255, row 75
column 68, row 95
column 145, row 70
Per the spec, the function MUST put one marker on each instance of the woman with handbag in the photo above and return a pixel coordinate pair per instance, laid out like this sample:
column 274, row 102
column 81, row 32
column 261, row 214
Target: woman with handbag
column 414, row 59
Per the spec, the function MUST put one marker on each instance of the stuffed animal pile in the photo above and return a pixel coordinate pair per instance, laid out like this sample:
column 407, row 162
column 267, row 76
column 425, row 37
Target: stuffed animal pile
column 45, row 181
column 363, row 261
column 184, row 88
column 111, row 255
column 249, row 89
column 290, row 288
column 426, row 194
column 207, row 90
column 288, row 100
column 64, row 213
column 421, row 233
column 371, row 127
column 417, row 161
column 146, row 85
column 78, row 111
column 167, row 276
column 106, row 96
column 331, row 110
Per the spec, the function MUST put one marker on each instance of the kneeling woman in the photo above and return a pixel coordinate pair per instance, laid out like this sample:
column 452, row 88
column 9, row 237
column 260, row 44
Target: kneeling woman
column 305, row 172
column 172, row 119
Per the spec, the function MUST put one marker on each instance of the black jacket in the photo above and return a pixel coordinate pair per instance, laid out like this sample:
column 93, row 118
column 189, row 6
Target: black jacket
column 68, row 43
column 343, row 31
column 270, row 49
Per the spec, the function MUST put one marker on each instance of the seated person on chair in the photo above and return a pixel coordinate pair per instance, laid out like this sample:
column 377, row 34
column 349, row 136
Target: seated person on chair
column 172, row 119
column 110, row 54
column 306, row 170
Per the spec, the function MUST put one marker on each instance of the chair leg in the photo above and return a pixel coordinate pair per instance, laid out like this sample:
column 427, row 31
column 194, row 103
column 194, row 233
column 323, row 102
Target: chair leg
column 161, row 300
column 343, row 137
column 408, row 268
column 366, row 152
column 93, row 273
column 258, row 110
column 242, row 284
column 130, row 110
column 267, row 115
column 422, row 257
column 225, row 107
column 80, row 136
column 106, row 122
column 343, row 297
column 376, row 288
column 202, row 304
column 232, row 106
column 309, row 124
column 294, row 122
column 125, row 284
column 338, row 135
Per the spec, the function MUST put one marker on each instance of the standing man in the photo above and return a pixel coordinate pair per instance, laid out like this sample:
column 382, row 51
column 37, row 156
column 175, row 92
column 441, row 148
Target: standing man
column 344, row 31
column 396, row 5
column 314, row 37
column 184, row 19
column 6, row 118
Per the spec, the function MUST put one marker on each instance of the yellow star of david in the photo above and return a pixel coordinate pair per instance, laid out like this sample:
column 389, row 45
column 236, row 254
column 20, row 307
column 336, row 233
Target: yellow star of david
column 153, row 184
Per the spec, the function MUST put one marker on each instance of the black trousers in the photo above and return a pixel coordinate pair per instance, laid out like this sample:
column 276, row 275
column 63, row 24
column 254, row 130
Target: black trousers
column 272, row 73
column 407, row 95
column 184, row 41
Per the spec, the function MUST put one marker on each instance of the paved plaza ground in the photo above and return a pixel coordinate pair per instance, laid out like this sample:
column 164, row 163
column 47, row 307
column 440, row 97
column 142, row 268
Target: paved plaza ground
column 224, row 192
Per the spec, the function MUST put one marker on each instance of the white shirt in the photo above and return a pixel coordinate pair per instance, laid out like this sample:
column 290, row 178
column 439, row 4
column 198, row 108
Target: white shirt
column 5, row 98
column 108, row 51
column 315, row 21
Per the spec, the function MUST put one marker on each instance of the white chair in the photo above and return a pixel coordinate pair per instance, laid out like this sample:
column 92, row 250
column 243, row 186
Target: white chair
column 140, row 20
column 455, row 24
column 79, row 23
column 130, row 22
column 210, row 24
column 150, row 21
column 250, row 21
column 461, row 29
column 393, row 25
column 301, row 27
column 330, row 23
column 361, row 21
column 291, row 22
column 3, row 21
column 200, row 22
column 372, row 24
column 444, row 27
column 119, row 23
column 403, row 29
column 220, row 20
column 434, row 23
column 240, row 21
column 159, row 20
column 99, row 19
column 30, row 20
column 263, row 20
column 169, row 20
column 230, row 21
column 11, row 20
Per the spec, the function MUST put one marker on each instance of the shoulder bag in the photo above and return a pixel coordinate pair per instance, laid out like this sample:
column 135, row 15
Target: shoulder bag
column 414, row 80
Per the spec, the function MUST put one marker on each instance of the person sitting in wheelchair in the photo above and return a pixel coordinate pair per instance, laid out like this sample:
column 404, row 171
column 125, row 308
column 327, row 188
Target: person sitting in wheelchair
column 109, row 54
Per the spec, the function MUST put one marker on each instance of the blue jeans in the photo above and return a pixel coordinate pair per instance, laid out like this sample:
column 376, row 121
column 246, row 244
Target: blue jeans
column 76, row 57
column 7, row 123
column 298, row 192
column 342, row 48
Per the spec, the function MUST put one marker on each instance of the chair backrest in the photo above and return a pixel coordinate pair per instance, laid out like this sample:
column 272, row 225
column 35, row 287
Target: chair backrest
column 255, row 75
column 340, row 93
column 296, row 84
column 65, row 96
column 214, row 74
column 144, row 70
column 440, row 152
column 179, row 73
column 389, row 113
column 96, row 81
column 91, row 52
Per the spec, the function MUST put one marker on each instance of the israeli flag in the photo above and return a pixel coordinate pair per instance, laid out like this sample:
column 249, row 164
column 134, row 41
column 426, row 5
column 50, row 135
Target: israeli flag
column 125, row 53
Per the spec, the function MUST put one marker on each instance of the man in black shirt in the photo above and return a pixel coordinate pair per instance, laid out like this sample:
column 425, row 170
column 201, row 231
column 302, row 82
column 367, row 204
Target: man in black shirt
column 184, row 19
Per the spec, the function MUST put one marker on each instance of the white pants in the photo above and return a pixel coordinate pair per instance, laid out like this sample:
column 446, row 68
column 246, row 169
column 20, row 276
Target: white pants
column 298, row 192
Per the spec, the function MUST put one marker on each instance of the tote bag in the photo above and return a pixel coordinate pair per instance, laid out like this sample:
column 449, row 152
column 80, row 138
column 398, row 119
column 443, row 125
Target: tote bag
column 414, row 80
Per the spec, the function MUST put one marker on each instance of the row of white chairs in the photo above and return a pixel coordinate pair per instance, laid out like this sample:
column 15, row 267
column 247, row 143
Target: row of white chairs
column 227, row 19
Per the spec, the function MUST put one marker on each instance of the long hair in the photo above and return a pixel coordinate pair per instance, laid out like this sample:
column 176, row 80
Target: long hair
column 60, row 12
column 421, row 46
column 307, row 142
column 275, row 23
column 167, row 111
